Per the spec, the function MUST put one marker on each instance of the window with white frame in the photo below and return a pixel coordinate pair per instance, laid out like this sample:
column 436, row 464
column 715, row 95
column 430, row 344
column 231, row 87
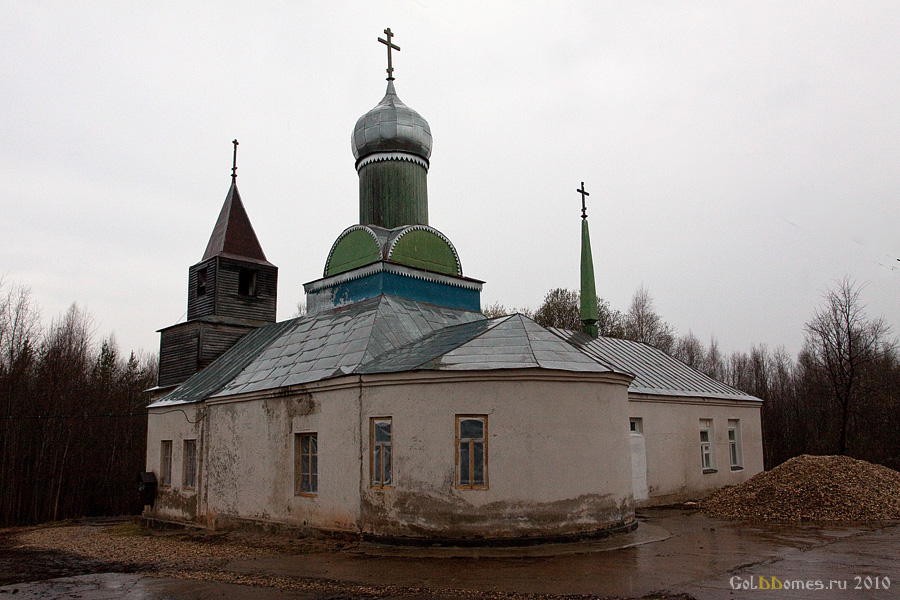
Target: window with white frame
column 707, row 446
column 471, row 452
column 306, row 464
column 190, row 464
column 165, row 463
column 734, row 444
column 636, row 424
column 381, row 461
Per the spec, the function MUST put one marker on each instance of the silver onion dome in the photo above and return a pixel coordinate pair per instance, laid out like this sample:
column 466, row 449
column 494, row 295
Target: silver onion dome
column 391, row 127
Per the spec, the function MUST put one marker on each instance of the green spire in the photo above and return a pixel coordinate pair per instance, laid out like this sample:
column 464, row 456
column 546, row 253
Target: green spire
column 589, row 315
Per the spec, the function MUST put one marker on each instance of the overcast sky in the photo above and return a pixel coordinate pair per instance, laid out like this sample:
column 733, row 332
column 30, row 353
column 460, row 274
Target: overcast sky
column 740, row 156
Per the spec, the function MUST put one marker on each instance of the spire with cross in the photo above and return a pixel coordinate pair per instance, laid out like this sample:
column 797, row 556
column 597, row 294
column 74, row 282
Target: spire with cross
column 589, row 309
column 234, row 161
column 387, row 42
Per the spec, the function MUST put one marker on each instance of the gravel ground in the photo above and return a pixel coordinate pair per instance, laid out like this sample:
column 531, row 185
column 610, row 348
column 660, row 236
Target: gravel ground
column 101, row 546
column 812, row 488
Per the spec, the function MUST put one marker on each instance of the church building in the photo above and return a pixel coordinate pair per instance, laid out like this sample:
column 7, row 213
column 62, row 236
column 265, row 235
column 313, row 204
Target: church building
column 396, row 410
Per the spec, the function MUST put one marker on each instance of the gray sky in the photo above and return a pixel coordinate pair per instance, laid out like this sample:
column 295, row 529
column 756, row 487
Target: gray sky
column 740, row 156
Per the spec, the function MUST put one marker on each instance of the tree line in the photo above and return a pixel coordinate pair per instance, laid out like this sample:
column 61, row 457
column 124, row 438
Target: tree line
column 839, row 395
column 73, row 419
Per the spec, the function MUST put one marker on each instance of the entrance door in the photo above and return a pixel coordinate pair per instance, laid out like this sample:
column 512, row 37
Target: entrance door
column 638, row 460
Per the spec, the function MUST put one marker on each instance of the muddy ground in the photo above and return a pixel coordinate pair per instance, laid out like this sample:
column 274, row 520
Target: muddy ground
column 31, row 554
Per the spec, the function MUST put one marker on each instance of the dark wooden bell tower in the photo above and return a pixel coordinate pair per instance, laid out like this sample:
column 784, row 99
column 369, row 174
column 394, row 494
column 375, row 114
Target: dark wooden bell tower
column 231, row 291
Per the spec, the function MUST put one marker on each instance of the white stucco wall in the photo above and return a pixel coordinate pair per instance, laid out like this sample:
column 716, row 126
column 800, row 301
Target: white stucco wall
column 184, row 422
column 672, row 440
column 558, row 454
column 251, row 465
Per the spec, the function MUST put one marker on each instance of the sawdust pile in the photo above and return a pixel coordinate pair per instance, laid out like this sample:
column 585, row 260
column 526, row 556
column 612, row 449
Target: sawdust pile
column 812, row 488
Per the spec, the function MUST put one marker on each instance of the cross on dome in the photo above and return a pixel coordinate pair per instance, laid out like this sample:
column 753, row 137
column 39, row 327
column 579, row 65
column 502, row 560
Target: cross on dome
column 387, row 42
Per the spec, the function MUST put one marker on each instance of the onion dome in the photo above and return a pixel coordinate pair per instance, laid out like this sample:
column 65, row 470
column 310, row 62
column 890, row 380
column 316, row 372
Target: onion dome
column 389, row 128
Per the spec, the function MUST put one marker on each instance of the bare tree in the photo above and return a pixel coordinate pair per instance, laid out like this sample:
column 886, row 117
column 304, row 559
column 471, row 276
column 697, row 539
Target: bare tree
column 841, row 340
column 494, row 310
column 643, row 324
column 560, row 308
column 689, row 350
column 611, row 321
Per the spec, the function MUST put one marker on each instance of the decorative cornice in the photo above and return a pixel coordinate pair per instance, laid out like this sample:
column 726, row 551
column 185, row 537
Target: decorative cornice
column 383, row 156
column 396, row 269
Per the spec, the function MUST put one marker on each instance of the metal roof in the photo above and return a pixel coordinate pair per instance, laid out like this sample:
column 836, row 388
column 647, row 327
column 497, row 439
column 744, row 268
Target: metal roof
column 391, row 127
column 380, row 335
column 655, row 371
column 511, row 342
column 213, row 378
column 233, row 234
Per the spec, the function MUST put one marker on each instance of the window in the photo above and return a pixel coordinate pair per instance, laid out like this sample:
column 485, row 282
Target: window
column 165, row 463
column 306, row 471
column 734, row 444
column 381, row 461
column 201, row 282
column 637, row 425
column 471, row 451
column 190, row 464
column 707, row 449
column 247, row 282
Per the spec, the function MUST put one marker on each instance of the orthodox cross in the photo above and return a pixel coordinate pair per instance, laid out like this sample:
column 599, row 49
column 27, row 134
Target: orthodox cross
column 583, row 206
column 387, row 42
column 234, row 162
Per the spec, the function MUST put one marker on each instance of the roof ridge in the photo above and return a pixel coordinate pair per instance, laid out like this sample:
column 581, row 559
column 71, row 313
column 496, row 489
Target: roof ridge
column 433, row 334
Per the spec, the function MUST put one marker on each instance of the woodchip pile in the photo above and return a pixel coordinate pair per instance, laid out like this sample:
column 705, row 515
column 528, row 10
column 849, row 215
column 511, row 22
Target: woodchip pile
column 812, row 488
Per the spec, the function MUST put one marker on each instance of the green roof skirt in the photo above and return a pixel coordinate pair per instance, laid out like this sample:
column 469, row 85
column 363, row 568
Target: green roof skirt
column 589, row 314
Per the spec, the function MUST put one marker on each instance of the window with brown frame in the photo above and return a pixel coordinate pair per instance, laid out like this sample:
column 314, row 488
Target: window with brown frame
column 190, row 464
column 381, row 461
column 306, row 467
column 471, row 452
column 165, row 463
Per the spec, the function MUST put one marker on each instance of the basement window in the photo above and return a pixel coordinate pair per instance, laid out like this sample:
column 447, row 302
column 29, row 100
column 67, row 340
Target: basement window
column 735, row 451
column 165, row 463
column 247, row 282
column 306, row 464
column 707, row 449
column 381, row 461
column 190, row 464
column 471, row 452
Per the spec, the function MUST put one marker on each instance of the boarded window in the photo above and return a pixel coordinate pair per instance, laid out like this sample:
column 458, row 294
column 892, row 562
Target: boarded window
column 165, row 463
column 382, row 460
column 471, row 451
column 247, row 282
column 190, row 464
column 306, row 469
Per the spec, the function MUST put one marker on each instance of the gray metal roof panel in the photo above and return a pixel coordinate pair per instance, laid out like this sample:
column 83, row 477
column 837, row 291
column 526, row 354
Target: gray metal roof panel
column 224, row 369
column 655, row 371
